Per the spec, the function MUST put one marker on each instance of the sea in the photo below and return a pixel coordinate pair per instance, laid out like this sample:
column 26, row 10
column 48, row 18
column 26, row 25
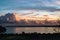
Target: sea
column 19, row 30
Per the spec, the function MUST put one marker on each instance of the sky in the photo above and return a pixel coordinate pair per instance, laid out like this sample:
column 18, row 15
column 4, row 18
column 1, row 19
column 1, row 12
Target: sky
column 49, row 7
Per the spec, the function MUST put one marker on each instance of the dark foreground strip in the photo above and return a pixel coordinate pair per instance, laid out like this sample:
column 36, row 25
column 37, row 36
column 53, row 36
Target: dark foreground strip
column 30, row 36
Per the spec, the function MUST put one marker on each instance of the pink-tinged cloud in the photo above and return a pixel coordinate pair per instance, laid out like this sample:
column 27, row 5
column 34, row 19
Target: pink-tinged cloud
column 57, row 2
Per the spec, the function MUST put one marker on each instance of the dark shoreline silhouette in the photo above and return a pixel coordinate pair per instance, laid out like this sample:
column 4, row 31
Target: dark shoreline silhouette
column 30, row 36
column 2, row 29
column 36, row 26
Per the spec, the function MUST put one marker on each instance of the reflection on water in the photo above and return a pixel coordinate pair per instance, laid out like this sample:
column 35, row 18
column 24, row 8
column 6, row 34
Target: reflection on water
column 30, row 29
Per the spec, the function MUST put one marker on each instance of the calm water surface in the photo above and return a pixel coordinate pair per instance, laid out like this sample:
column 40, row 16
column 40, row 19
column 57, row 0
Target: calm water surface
column 30, row 29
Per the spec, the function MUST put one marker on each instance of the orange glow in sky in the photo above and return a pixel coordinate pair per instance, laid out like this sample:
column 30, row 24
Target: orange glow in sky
column 17, row 17
column 48, row 17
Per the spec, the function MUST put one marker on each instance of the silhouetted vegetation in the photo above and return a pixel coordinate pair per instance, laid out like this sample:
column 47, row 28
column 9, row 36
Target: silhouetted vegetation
column 30, row 36
column 2, row 29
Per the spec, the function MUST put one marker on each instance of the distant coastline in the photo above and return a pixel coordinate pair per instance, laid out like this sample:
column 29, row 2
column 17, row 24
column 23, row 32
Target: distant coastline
column 35, row 25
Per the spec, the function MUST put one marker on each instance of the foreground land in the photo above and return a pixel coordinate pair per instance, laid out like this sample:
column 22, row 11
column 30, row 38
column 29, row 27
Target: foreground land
column 30, row 36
